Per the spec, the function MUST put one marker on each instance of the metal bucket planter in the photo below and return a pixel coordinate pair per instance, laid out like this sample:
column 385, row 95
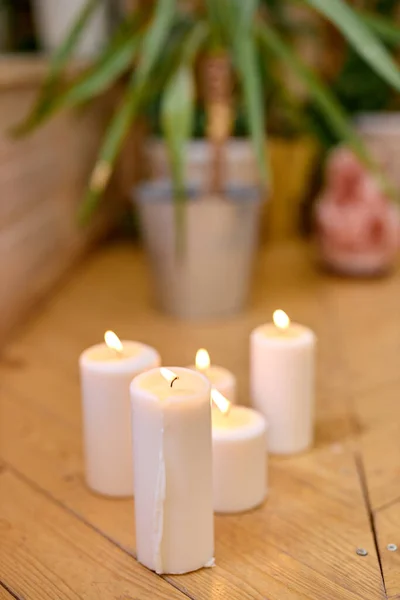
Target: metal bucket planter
column 212, row 275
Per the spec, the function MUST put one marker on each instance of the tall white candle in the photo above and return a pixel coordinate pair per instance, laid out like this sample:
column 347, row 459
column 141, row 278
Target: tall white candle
column 282, row 382
column 172, row 455
column 239, row 458
column 106, row 373
column 220, row 378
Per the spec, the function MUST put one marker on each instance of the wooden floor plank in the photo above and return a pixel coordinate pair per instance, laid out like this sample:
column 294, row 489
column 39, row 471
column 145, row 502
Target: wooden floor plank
column 302, row 542
column 366, row 315
column 4, row 595
column 387, row 522
column 113, row 292
column 46, row 553
column 380, row 450
column 377, row 406
column 308, row 529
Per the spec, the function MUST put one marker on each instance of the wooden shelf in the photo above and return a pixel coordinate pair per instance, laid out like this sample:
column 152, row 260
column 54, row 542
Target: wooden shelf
column 22, row 70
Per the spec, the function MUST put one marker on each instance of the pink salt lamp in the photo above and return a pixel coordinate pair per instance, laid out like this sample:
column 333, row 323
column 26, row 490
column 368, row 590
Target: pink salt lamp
column 358, row 226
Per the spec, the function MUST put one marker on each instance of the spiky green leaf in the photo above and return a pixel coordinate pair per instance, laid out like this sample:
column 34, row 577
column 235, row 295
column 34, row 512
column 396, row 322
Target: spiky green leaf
column 360, row 37
column 115, row 60
column 177, row 114
column 155, row 38
column 324, row 100
column 152, row 48
column 246, row 56
column 246, row 60
column 115, row 135
column 177, row 118
column 63, row 53
column 386, row 29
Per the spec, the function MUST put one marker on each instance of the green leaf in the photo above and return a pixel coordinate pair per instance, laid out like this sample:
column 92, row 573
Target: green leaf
column 242, row 15
column 155, row 38
column 388, row 31
column 113, row 140
column 117, row 57
column 238, row 16
column 151, row 50
column 324, row 100
column 177, row 118
column 177, row 114
column 98, row 79
column 60, row 58
column 248, row 11
column 360, row 37
column 246, row 58
column 217, row 25
column 194, row 41
column 65, row 50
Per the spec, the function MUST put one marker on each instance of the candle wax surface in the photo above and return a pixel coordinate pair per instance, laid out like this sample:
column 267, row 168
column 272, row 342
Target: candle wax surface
column 215, row 374
column 239, row 459
column 222, row 379
column 293, row 332
column 102, row 353
column 158, row 388
column 240, row 420
column 172, row 453
column 105, row 380
column 282, row 384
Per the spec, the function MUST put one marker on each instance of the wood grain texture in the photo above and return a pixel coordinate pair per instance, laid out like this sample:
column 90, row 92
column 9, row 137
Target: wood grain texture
column 318, row 500
column 4, row 595
column 380, row 450
column 322, row 505
column 42, row 180
column 388, row 527
column 47, row 553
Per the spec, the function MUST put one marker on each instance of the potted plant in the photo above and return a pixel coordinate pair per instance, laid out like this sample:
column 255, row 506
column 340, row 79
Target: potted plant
column 217, row 54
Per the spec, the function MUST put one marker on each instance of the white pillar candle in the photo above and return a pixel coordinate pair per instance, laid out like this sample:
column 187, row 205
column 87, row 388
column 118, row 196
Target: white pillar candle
column 172, row 455
column 106, row 373
column 239, row 459
column 220, row 378
column 282, row 382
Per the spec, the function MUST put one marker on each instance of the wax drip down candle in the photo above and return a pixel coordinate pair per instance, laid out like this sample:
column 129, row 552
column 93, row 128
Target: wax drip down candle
column 106, row 372
column 172, row 453
column 239, row 456
column 220, row 378
column 282, row 356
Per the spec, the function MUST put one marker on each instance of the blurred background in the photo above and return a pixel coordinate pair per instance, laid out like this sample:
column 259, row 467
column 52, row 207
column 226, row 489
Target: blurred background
column 249, row 127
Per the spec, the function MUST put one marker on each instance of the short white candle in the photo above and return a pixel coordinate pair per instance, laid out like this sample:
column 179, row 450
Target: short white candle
column 172, row 454
column 106, row 373
column 282, row 382
column 239, row 458
column 220, row 378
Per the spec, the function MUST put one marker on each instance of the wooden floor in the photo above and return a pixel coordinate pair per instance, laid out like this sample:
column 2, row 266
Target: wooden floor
column 59, row 541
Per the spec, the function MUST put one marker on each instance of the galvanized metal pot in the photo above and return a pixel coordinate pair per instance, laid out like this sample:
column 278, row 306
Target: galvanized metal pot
column 211, row 277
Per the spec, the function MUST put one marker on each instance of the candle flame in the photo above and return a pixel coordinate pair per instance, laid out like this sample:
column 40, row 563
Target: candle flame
column 113, row 342
column 220, row 401
column 168, row 375
column 202, row 359
column 281, row 320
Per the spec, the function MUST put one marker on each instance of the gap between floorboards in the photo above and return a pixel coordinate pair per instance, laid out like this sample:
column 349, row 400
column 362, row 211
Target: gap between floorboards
column 54, row 500
column 9, row 591
column 364, row 487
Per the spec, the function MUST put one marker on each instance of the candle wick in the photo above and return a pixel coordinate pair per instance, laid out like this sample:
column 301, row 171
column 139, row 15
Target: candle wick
column 173, row 381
